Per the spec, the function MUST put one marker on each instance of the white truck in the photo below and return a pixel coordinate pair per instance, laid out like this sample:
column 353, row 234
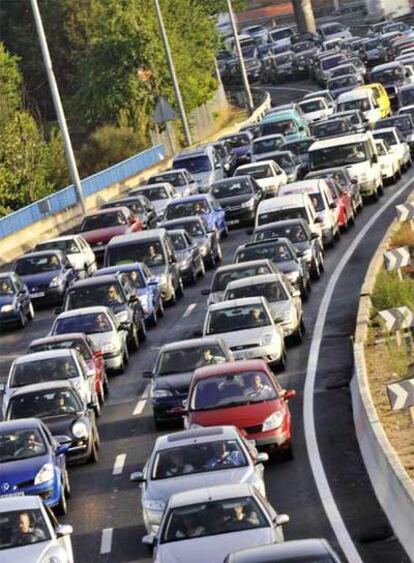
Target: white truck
column 381, row 9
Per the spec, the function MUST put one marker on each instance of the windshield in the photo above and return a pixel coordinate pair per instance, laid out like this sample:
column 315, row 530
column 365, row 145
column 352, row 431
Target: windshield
column 108, row 294
column 312, row 105
column 342, row 70
column 283, row 127
column 273, row 291
column 155, row 194
column 19, row 528
column 78, row 345
column 387, row 75
column 136, row 206
column 189, row 359
column 295, row 233
column 231, row 390
column 261, row 146
column 173, row 178
column 179, row 241
column 407, row 97
column 338, row 175
column 299, row 147
column 37, row 265
column 258, row 172
column 380, row 149
column 212, row 518
column 403, row 123
column 221, row 279
column 194, row 164
column 304, row 46
column 6, row 287
column 233, row 319
column 333, row 28
column 43, row 404
column 103, row 221
column 236, row 141
column 193, row 228
column 231, row 188
column 359, row 103
column 284, row 160
column 387, row 136
column 249, row 52
column 186, row 209
column 42, row 370
column 150, row 252
column 282, row 214
column 68, row 246
column 330, row 128
column 331, row 62
column 338, row 156
column 342, row 81
column 20, row 444
column 279, row 34
column 283, row 59
column 90, row 323
column 224, row 55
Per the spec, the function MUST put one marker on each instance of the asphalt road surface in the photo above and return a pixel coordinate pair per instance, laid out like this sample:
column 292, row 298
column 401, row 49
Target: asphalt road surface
column 104, row 509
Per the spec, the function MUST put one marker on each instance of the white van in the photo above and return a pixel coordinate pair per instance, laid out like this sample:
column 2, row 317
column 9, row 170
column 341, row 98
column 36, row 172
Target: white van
column 389, row 162
column 358, row 153
column 294, row 206
column 267, row 174
column 321, row 197
column 362, row 99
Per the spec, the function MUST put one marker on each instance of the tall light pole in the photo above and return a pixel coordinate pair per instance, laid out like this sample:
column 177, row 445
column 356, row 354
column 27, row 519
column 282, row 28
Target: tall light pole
column 304, row 16
column 246, row 84
column 70, row 157
column 171, row 66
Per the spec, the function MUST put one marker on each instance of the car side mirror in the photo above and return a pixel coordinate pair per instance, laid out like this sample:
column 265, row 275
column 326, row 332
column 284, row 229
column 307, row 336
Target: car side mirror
column 62, row 448
column 296, row 293
column 97, row 354
column 289, row 394
column 198, row 333
column 63, row 530
column 318, row 220
column 137, row 476
column 2, row 388
column 281, row 519
column 123, row 326
column 57, row 310
column 147, row 374
column 332, row 205
column 374, row 159
column 314, row 236
column 262, row 457
column 299, row 254
column 150, row 540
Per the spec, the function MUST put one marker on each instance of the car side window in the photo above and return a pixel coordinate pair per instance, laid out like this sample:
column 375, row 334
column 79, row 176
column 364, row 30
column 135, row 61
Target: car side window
column 187, row 239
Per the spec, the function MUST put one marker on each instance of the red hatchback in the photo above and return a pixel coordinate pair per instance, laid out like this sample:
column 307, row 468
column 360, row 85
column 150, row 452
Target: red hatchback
column 344, row 208
column 244, row 394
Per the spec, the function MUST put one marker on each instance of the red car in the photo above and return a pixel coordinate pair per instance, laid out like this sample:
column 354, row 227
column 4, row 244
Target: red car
column 99, row 227
column 244, row 394
column 92, row 357
column 344, row 209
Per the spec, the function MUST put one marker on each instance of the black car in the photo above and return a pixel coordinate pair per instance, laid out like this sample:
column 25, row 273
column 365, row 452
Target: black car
column 188, row 255
column 404, row 122
column 227, row 156
column 355, row 117
column 331, row 128
column 300, row 147
column 239, row 197
column 206, row 241
column 116, row 292
column 61, row 408
column 15, row 304
column 303, row 239
column 140, row 206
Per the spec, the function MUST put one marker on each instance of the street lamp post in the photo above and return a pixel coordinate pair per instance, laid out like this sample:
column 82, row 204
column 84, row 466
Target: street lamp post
column 171, row 66
column 70, row 157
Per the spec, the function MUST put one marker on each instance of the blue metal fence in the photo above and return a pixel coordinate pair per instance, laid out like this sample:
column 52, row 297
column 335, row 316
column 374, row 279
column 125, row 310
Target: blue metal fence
column 67, row 197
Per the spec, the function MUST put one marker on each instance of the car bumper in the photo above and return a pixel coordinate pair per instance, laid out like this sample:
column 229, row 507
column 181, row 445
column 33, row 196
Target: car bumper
column 112, row 361
column 279, row 438
column 367, row 188
column 327, row 236
column 163, row 408
column 48, row 296
column 267, row 353
column 49, row 492
column 10, row 318
column 79, row 451
column 238, row 216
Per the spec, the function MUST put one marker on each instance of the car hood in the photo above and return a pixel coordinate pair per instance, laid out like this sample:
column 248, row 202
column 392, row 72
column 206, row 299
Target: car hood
column 61, row 425
column 43, row 278
column 289, row 266
column 234, row 200
column 177, row 382
column 101, row 338
column 244, row 337
column 164, row 488
column 204, row 179
column 15, row 472
column 183, row 255
column 104, row 235
column 280, row 308
column 6, row 299
column 32, row 553
column 241, row 151
column 243, row 416
column 160, row 205
column 212, row 548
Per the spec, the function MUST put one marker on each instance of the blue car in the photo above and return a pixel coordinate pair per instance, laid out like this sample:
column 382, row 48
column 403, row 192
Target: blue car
column 241, row 145
column 47, row 274
column 146, row 286
column 203, row 205
column 15, row 304
column 33, row 463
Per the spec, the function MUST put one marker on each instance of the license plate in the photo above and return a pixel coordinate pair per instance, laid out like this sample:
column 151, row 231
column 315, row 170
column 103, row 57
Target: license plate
column 21, row 494
column 233, row 222
column 38, row 294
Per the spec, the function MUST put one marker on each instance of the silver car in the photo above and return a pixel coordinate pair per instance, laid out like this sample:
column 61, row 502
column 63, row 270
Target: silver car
column 192, row 459
column 284, row 300
column 295, row 551
column 49, row 541
column 206, row 524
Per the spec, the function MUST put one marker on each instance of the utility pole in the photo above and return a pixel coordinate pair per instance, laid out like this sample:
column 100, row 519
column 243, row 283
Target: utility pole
column 246, row 84
column 70, row 157
column 171, row 66
column 304, row 16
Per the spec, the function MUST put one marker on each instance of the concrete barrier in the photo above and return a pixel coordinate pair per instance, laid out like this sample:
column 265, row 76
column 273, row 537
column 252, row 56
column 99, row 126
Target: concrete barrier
column 392, row 484
column 21, row 241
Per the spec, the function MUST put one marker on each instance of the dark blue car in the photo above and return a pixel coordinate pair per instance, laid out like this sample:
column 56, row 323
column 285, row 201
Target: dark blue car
column 33, row 463
column 47, row 274
column 241, row 145
column 15, row 304
column 202, row 205
column 146, row 286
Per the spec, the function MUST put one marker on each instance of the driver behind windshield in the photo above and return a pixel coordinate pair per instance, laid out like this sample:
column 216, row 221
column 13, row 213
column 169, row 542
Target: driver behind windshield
column 6, row 288
column 259, row 389
column 26, row 532
column 31, row 446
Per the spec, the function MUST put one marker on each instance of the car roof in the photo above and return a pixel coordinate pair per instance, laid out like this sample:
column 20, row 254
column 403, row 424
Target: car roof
column 263, row 278
column 178, row 232
column 236, row 303
column 241, row 265
column 151, row 234
column 283, row 201
column 336, row 141
column 229, row 367
column 191, row 342
column 121, row 268
column 57, row 239
column 253, row 165
column 84, row 311
column 267, row 137
column 61, row 384
column 104, row 211
column 386, row 66
column 284, row 223
column 95, row 280
column 194, row 436
column 46, row 354
column 287, row 551
column 384, row 130
column 169, row 171
column 58, row 338
column 19, row 424
column 27, row 502
column 190, row 198
column 181, row 220
column 219, row 492
column 42, row 253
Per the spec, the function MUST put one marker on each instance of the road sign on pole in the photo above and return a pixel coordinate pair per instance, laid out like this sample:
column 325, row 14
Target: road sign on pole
column 405, row 212
column 397, row 259
column 401, row 394
column 398, row 318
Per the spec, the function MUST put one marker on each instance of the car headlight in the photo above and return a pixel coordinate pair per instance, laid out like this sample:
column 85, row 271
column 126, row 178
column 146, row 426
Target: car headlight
column 56, row 282
column 273, row 421
column 266, row 339
column 44, row 474
column 204, row 249
column 79, row 430
column 54, row 559
column 163, row 279
column 122, row 316
column 307, row 254
column 7, row 308
column 158, row 505
column 184, row 264
column 293, row 277
column 159, row 393
column 248, row 204
column 108, row 347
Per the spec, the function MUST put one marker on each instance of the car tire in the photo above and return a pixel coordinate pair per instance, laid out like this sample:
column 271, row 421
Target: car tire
column 180, row 288
column 61, row 509
column 22, row 321
column 381, row 190
column 133, row 341
column 106, row 385
column 289, row 453
column 225, row 232
column 315, row 270
column 298, row 335
column 337, row 235
column 202, row 271
column 281, row 365
column 94, row 455
column 101, row 395
column 142, row 332
column 30, row 312
column 67, row 484
column 153, row 320
column 159, row 424
column 219, row 253
column 173, row 299
column 193, row 277
column 211, row 261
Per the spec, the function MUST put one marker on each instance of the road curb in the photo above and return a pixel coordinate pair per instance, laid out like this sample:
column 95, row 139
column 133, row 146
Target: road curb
column 392, row 484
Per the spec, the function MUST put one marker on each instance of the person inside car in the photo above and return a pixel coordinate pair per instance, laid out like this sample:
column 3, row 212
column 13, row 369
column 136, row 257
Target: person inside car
column 6, row 288
column 198, row 209
column 63, row 405
column 223, row 456
column 113, row 295
column 31, row 447
column 154, row 255
column 240, row 516
column 177, row 465
column 53, row 261
column 102, row 322
column 67, row 370
column 208, row 358
column 256, row 317
column 259, row 390
column 26, row 532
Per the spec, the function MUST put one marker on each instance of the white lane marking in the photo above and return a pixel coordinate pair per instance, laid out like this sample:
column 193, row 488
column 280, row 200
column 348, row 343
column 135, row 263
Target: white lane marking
column 315, row 460
column 106, row 541
column 119, row 464
column 189, row 310
column 142, row 401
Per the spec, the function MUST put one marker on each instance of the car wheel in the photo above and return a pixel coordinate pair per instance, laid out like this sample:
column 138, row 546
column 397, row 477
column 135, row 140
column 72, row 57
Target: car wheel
column 94, row 456
column 315, row 270
column 133, row 341
column 180, row 288
column 337, row 235
column 160, row 308
column 219, row 253
column 194, row 276
column 298, row 335
column 61, row 509
column 142, row 333
column 67, row 484
column 101, row 395
column 106, row 385
column 375, row 195
column 381, row 189
column 30, row 312
column 202, row 271
column 159, row 424
column 22, row 321
column 304, row 291
column 211, row 261
column 225, row 232
column 281, row 366
column 153, row 320
column 345, row 226
column 173, row 298
column 288, row 452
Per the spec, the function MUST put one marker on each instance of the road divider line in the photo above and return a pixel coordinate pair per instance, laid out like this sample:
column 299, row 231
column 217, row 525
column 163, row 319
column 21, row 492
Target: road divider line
column 315, row 460
column 142, row 401
column 189, row 310
column 119, row 464
column 106, row 540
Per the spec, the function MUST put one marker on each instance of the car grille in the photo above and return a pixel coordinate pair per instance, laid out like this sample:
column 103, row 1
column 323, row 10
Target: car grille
column 243, row 347
column 24, row 484
column 253, row 429
column 39, row 287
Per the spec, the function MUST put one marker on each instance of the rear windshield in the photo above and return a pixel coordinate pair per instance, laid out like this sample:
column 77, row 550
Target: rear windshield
column 275, row 251
column 108, row 294
column 273, row 292
column 175, row 179
column 221, row 279
column 155, row 194
column 67, row 245
column 186, row 209
column 42, row 370
column 194, row 164
column 102, row 221
column 232, row 319
column 37, row 265
column 91, row 323
column 188, row 359
column 259, row 172
column 231, row 188
column 282, row 214
column 283, row 127
column 261, row 146
column 330, row 128
column 149, row 252
column 295, row 233
column 78, row 345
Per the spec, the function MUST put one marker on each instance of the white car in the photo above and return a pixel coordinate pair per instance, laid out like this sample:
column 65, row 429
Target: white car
column 396, row 143
column 247, row 327
column 285, row 302
column 389, row 161
column 316, row 109
column 362, row 99
column 50, row 542
column 51, row 365
column 217, row 455
column 206, row 524
column 160, row 195
column 267, row 174
column 77, row 251
column 183, row 182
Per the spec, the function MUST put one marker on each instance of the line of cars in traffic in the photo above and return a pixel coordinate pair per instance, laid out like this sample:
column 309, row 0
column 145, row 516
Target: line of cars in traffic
column 297, row 189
